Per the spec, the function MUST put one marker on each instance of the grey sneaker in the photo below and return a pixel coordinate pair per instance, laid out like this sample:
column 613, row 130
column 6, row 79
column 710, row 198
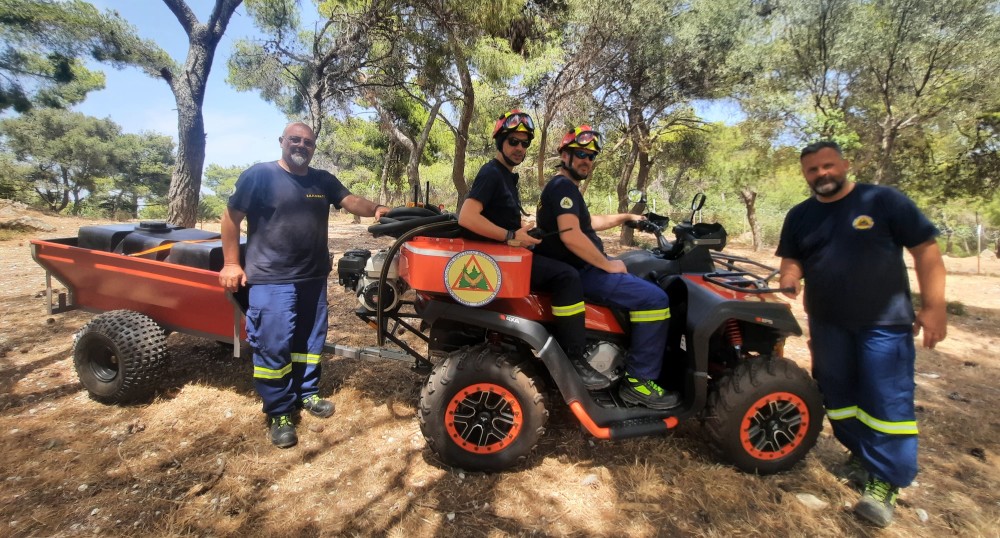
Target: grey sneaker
column 283, row 432
column 878, row 502
column 318, row 406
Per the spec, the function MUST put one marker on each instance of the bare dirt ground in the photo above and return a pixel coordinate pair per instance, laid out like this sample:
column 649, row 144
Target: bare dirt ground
column 196, row 460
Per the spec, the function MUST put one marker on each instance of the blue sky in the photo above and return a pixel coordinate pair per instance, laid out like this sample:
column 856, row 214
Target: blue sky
column 242, row 128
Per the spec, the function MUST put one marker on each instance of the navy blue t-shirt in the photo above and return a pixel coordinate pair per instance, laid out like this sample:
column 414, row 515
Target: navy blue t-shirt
column 496, row 188
column 559, row 197
column 851, row 253
column 287, row 220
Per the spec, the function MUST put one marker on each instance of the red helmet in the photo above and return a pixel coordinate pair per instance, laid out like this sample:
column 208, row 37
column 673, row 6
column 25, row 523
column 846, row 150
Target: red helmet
column 582, row 137
column 512, row 121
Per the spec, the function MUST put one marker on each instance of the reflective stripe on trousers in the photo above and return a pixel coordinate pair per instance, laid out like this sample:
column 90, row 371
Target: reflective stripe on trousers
column 286, row 328
column 866, row 377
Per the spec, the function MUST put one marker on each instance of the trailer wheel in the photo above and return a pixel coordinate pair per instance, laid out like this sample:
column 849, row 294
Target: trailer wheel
column 120, row 356
column 766, row 415
column 481, row 411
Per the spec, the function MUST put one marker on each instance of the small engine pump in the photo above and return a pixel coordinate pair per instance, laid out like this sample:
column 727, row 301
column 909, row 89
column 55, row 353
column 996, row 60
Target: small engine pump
column 359, row 271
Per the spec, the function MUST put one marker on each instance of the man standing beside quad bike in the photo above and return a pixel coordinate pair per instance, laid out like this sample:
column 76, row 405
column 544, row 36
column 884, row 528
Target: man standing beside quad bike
column 847, row 243
column 287, row 205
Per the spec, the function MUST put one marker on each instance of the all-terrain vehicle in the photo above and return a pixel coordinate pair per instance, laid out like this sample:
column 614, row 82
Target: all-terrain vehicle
column 491, row 354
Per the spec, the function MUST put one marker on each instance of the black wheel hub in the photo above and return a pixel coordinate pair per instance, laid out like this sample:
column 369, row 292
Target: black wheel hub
column 483, row 418
column 774, row 426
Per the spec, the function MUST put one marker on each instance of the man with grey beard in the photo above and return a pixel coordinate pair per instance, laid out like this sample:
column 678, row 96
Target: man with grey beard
column 846, row 242
column 287, row 207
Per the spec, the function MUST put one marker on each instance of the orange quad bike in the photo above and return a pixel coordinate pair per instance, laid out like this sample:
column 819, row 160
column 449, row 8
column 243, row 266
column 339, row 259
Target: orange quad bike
column 495, row 368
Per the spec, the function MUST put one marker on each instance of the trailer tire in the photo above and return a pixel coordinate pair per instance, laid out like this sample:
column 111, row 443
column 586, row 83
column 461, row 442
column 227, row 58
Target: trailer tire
column 481, row 411
column 766, row 415
column 120, row 356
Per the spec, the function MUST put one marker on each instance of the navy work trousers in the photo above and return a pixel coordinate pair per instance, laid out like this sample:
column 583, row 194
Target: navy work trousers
column 286, row 328
column 562, row 280
column 866, row 377
column 649, row 310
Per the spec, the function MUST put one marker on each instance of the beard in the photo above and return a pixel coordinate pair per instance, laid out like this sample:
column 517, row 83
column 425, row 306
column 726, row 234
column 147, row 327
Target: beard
column 828, row 186
column 299, row 159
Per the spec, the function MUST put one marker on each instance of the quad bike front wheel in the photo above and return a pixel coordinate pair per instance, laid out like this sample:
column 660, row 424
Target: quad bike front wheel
column 120, row 356
column 481, row 411
column 766, row 415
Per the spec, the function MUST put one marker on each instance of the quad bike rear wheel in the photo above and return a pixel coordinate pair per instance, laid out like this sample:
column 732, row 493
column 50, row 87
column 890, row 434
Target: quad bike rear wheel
column 120, row 356
column 482, row 411
column 766, row 415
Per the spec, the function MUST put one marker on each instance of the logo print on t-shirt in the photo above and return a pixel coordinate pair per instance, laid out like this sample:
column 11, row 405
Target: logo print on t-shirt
column 472, row 278
column 864, row 222
column 566, row 203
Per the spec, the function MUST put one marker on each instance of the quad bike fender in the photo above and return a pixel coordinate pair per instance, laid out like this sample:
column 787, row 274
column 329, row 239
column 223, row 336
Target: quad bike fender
column 708, row 310
column 532, row 333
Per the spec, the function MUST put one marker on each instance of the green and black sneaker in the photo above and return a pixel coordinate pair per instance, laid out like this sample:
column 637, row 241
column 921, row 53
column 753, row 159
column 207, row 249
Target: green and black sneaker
column 647, row 393
column 878, row 502
column 283, row 431
column 317, row 406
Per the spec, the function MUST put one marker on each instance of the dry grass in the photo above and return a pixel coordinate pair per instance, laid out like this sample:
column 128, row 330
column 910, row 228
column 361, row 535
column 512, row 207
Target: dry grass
column 196, row 459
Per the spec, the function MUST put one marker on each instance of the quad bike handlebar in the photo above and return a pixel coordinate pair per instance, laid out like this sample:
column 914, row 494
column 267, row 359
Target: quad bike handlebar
column 742, row 274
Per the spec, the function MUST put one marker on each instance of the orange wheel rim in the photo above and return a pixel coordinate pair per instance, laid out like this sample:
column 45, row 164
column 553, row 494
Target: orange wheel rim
column 483, row 418
column 774, row 426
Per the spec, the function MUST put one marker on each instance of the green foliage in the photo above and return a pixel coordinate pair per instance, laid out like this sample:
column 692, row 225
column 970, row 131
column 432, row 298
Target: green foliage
column 66, row 156
column 44, row 45
column 221, row 184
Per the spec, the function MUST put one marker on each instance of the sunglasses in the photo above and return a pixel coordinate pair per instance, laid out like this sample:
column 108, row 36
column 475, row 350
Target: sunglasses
column 515, row 119
column 307, row 142
column 580, row 154
column 514, row 142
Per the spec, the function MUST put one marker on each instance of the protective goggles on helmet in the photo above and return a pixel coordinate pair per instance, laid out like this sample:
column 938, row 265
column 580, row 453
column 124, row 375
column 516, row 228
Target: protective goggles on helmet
column 513, row 121
column 582, row 137
column 519, row 118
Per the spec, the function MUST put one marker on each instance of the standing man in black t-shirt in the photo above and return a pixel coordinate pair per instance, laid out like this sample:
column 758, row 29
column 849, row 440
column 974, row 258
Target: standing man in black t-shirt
column 287, row 207
column 562, row 207
column 492, row 210
column 847, row 243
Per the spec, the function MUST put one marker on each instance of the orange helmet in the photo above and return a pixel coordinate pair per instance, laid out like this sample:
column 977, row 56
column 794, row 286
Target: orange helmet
column 582, row 137
column 512, row 121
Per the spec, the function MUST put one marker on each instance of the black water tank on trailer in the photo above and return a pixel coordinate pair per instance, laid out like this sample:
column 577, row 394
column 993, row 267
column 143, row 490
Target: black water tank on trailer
column 105, row 238
column 203, row 255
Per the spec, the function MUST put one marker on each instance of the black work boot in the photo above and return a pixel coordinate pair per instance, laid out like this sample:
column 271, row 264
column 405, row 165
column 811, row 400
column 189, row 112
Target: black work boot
column 283, row 431
column 592, row 379
column 317, row 406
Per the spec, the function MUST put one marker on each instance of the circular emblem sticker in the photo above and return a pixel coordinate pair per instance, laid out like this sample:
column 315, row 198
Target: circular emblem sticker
column 472, row 278
column 566, row 203
column 864, row 222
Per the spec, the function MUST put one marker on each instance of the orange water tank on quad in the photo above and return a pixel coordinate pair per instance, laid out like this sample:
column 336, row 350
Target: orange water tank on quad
column 472, row 272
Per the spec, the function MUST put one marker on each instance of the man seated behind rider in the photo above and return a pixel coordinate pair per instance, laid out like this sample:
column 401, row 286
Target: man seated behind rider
column 605, row 280
column 492, row 210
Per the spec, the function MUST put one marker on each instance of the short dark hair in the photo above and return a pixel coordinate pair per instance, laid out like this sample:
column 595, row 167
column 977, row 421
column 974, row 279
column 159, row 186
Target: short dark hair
column 822, row 144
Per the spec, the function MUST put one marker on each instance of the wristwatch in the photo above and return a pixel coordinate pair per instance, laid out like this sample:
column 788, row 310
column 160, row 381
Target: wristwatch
column 510, row 236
